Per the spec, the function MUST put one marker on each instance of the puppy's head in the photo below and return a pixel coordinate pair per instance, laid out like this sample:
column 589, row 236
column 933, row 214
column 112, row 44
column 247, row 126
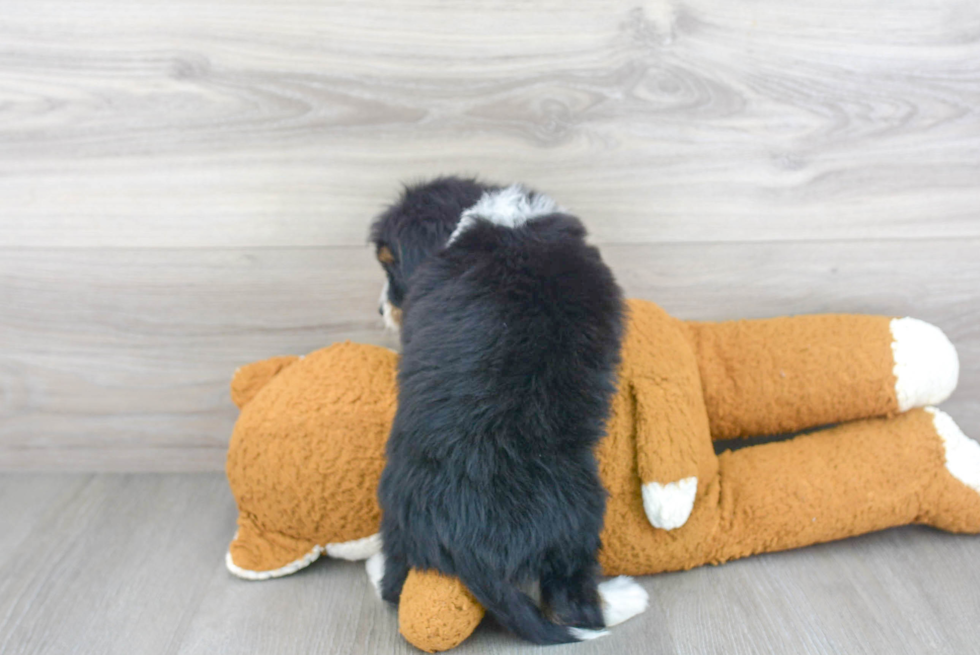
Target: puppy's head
column 414, row 228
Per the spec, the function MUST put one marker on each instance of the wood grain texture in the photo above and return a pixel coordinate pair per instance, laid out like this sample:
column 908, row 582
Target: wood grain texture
column 24, row 502
column 134, row 565
column 118, row 567
column 244, row 124
column 122, row 358
column 185, row 187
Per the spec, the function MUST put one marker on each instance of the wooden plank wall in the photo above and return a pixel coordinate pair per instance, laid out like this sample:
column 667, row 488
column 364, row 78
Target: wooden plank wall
column 186, row 186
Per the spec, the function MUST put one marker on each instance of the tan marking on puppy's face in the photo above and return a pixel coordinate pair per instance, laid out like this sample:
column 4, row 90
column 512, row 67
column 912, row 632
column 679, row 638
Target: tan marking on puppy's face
column 385, row 256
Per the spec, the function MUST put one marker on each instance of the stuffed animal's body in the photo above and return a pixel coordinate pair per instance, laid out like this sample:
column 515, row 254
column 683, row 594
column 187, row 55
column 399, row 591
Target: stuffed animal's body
column 307, row 451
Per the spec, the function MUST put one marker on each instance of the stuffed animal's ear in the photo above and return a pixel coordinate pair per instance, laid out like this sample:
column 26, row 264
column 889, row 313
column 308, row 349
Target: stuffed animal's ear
column 250, row 378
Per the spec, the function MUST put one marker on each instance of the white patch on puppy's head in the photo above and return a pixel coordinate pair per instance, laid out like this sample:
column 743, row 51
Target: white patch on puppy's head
column 510, row 207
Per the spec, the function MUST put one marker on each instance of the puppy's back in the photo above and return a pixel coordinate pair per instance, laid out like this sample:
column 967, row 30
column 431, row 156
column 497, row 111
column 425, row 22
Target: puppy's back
column 510, row 342
column 522, row 323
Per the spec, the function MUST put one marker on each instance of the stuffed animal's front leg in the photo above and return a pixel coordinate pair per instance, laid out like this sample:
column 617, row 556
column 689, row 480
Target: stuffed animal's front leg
column 673, row 449
column 660, row 398
column 792, row 373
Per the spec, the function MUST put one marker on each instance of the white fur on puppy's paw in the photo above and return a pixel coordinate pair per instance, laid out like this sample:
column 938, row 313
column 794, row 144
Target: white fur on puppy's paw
column 375, row 567
column 962, row 453
column 668, row 506
column 926, row 365
column 622, row 599
column 584, row 634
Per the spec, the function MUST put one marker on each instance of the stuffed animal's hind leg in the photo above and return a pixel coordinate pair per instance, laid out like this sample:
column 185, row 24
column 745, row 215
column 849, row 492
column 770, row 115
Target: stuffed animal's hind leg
column 788, row 374
column 952, row 501
column 856, row 478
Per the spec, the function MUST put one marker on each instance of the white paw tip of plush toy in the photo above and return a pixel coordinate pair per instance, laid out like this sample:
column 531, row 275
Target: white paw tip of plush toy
column 622, row 599
column 926, row 365
column 962, row 453
column 668, row 506
column 375, row 567
column 356, row 549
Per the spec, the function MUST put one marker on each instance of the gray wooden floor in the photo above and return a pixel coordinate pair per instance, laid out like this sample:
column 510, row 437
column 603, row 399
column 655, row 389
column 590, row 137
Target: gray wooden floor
column 133, row 564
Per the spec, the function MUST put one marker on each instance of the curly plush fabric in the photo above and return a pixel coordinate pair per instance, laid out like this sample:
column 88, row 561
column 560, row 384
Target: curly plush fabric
column 308, row 450
column 438, row 612
column 306, row 453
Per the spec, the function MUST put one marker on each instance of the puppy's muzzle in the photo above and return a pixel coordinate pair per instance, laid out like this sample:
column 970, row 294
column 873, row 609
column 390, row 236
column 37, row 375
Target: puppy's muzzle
column 392, row 315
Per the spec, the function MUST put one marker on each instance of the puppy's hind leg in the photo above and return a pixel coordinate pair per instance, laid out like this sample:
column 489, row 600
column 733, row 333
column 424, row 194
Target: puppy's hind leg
column 388, row 569
column 388, row 574
column 570, row 595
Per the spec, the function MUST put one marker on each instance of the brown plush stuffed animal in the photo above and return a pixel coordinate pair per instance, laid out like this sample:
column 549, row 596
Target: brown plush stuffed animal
column 308, row 450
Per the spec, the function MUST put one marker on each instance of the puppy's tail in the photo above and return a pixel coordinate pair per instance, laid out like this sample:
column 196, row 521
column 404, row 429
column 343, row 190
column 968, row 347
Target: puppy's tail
column 516, row 611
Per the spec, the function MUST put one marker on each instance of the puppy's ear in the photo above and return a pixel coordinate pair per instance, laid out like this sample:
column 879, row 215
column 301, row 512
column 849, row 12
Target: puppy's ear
column 559, row 224
column 385, row 256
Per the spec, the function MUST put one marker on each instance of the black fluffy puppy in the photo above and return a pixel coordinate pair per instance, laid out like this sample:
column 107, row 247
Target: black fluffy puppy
column 511, row 329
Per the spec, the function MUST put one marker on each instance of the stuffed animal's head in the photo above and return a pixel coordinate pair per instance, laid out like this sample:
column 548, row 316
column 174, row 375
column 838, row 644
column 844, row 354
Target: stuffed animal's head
column 306, row 456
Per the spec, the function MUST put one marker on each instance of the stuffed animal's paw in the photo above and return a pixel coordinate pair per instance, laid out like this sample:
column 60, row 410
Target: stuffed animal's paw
column 668, row 506
column 622, row 599
column 962, row 453
column 926, row 365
